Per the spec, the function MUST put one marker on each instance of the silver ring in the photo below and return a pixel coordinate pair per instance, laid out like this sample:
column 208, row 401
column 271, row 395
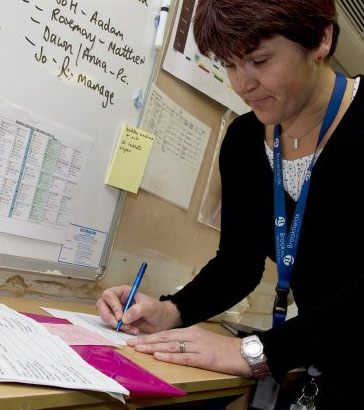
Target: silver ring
column 182, row 347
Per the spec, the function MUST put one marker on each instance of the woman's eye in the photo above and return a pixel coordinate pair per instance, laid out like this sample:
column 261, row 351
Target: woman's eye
column 260, row 61
column 228, row 66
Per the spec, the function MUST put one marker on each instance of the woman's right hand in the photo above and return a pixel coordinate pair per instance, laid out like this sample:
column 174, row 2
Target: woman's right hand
column 147, row 314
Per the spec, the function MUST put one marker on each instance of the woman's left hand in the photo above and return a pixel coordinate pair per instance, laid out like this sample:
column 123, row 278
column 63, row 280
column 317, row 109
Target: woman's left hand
column 196, row 347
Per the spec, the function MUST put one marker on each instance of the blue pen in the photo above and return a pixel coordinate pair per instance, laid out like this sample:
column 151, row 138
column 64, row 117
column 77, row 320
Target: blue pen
column 133, row 291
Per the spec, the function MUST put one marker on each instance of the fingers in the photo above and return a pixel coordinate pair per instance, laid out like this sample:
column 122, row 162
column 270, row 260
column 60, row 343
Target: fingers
column 112, row 298
column 138, row 311
column 169, row 347
column 185, row 359
column 129, row 329
column 185, row 335
column 106, row 314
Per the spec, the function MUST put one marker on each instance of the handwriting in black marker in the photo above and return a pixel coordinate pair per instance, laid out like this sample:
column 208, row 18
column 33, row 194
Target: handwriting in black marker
column 79, row 49
column 97, row 87
column 125, row 52
column 121, row 76
column 93, row 59
column 61, row 19
column 52, row 38
column 31, row 42
column 41, row 58
column 78, row 54
column 72, row 5
column 145, row 2
column 65, row 70
column 106, row 26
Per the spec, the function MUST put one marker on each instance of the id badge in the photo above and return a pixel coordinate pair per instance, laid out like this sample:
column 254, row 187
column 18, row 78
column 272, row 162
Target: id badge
column 266, row 393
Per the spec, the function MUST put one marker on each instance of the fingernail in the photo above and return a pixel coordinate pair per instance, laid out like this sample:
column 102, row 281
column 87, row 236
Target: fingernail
column 126, row 318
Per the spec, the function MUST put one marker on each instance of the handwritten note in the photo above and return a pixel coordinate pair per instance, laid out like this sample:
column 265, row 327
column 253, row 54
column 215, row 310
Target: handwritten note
column 130, row 158
column 85, row 45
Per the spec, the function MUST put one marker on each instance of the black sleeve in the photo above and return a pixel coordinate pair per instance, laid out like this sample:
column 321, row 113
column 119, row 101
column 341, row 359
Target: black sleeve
column 328, row 336
column 238, row 265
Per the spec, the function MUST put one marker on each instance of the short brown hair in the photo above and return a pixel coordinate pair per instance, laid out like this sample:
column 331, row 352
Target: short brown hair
column 228, row 28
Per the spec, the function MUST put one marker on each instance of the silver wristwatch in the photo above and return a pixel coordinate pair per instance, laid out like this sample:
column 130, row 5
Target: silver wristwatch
column 252, row 350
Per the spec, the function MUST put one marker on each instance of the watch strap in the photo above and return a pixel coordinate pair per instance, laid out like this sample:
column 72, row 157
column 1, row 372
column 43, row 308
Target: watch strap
column 258, row 364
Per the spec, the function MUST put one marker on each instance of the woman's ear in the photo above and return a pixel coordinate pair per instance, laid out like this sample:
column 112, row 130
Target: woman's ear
column 323, row 50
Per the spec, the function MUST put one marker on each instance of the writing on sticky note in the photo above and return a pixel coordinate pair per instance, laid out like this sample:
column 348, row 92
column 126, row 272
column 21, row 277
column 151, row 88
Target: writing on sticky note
column 130, row 158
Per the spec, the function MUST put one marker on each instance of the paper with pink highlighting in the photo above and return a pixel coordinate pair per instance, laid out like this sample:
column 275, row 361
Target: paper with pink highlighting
column 77, row 335
column 93, row 323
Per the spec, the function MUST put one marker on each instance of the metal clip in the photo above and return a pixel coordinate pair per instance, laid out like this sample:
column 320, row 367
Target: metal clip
column 281, row 301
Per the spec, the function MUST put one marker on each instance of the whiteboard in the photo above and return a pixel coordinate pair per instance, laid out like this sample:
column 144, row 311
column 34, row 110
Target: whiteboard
column 80, row 64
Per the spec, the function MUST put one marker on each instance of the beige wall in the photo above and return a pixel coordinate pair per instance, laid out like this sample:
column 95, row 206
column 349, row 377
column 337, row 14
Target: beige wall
column 174, row 243
column 171, row 240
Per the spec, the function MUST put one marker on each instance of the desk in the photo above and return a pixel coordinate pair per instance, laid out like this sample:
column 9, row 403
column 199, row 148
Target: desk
column 200, row 384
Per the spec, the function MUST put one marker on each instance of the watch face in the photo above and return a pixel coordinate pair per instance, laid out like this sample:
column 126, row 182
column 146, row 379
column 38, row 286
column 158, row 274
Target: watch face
column 253, row 348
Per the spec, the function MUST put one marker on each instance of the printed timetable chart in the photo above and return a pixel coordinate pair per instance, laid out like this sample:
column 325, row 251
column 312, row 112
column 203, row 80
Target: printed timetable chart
column 40, row 171
column 178, row 150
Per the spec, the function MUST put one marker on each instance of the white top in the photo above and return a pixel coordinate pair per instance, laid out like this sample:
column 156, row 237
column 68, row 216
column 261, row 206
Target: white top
column 294, row 171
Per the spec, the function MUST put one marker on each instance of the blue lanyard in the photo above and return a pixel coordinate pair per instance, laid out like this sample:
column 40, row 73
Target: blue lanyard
column 286, row 245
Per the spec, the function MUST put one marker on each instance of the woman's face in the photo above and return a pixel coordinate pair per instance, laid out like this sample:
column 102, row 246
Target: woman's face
column 277, row 80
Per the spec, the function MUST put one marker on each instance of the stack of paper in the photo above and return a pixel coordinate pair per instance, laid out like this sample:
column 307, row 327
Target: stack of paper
column 30, row 354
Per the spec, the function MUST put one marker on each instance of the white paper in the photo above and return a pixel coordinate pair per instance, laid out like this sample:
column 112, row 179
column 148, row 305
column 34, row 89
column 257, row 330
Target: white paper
column 178, row 150
column 207, row 76
column 93, row 323
column 83, row 246
column 30, row 354
column 41, row 167
column 75, row 335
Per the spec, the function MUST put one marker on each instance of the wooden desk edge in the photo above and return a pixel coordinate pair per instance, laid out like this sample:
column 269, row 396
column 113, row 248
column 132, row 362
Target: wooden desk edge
column 40, row 397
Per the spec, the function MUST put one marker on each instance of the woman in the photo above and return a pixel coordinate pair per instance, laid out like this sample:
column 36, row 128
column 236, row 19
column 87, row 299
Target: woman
column 276, row 55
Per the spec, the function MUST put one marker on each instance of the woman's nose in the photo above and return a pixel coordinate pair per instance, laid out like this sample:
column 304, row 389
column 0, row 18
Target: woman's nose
column 245, row 80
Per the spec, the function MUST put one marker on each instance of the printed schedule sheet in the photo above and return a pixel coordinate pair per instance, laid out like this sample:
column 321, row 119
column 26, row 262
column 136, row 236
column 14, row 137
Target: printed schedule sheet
column 41, row 166
column 30, row 354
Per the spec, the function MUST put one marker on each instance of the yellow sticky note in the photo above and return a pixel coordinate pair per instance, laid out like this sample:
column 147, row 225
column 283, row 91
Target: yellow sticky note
column 130, row 158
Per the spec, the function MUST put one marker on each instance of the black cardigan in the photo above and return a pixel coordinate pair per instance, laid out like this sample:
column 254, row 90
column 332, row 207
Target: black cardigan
column 328, row 276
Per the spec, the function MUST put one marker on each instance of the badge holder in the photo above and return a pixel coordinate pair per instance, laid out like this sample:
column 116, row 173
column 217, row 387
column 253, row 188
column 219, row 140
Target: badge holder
column 266, row 392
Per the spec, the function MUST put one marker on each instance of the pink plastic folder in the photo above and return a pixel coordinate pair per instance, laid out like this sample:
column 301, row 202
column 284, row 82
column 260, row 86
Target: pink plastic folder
column 133, row 377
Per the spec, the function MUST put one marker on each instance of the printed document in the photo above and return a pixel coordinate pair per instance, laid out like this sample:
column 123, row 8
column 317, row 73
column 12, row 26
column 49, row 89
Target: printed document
column 179, row 147
column 93, row 323
column 41, row 166
column 30, row 354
